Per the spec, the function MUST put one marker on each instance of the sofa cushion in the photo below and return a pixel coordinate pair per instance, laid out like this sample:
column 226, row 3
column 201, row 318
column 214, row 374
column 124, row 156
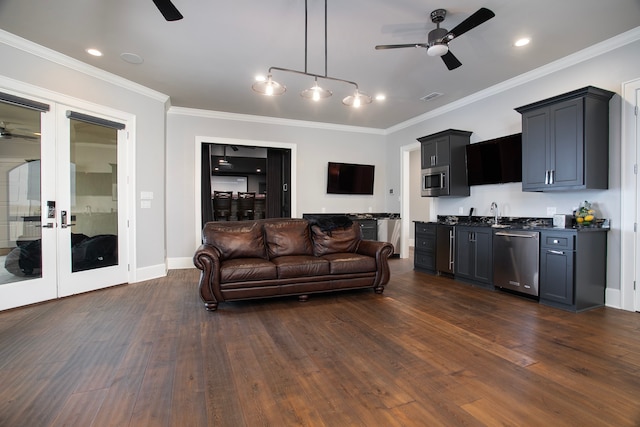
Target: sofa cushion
column 341, row 263
column 288, row 237
column 237, row 239
column 247, row 269
column 339, row 240
column 300, row 266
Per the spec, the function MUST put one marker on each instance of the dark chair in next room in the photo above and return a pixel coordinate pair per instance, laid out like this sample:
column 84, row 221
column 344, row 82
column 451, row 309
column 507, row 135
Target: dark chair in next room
column 222, row 205
column 246, row 206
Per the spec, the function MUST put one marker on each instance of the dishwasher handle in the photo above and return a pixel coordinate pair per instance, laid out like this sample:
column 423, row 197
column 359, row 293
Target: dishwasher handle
column 524, row 236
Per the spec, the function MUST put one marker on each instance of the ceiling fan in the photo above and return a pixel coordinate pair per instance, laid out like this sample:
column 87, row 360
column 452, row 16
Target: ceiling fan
column 439, row 38
column 168, row 10
column 5, row 133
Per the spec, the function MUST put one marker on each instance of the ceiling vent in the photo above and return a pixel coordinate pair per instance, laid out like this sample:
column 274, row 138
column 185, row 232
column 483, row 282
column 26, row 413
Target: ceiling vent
column 431, row 96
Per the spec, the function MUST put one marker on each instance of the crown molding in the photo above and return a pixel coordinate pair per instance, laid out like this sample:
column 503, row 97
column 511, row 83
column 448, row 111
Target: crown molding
column 76, row 65
column 194, row 112
column 598, row 49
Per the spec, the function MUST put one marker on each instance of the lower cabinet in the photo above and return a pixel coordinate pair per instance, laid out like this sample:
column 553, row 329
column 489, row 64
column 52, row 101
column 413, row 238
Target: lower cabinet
column 573, row 268
column 424, row 254
column 474, row 251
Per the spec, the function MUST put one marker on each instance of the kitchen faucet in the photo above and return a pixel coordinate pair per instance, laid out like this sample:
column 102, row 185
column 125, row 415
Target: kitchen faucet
column 494, row 209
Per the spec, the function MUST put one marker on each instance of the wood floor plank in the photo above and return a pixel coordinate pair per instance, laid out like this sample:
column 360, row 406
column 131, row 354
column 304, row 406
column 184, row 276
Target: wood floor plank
column 429, row 351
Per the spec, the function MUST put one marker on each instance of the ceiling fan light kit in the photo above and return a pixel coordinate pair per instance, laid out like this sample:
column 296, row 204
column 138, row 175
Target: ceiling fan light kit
column 437, row 50
column 315, row 93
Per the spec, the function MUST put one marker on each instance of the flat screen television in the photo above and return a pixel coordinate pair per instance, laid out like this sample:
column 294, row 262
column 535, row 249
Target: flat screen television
column 496, row 161
column 349, row 178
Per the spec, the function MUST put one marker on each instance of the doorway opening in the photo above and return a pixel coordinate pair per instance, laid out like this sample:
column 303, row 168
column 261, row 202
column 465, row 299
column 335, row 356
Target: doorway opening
column 277, row 185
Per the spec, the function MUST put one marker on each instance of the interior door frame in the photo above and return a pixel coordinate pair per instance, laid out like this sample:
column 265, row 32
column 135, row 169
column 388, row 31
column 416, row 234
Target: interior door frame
column 629, row 298
column 200, row 140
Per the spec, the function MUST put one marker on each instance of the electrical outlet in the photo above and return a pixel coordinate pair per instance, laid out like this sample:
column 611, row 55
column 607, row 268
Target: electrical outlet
column 551, row 210
column 391, row 191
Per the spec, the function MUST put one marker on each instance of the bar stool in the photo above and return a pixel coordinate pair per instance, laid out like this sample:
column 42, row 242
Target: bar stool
column 222, row 205
column 246, row 205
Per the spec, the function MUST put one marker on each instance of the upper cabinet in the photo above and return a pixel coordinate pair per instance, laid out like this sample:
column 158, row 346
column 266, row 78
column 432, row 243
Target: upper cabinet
column 446, row 151
column 565, row 141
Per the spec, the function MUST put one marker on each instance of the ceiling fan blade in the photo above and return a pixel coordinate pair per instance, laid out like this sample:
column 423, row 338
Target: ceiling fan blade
column 396, row 46
column 168, row 10
column 450, row 61
column 479, row 17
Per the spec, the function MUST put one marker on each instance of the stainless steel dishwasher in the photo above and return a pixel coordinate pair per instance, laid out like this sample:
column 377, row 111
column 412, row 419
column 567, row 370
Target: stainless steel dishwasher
column 516, row 260
column 389, row 231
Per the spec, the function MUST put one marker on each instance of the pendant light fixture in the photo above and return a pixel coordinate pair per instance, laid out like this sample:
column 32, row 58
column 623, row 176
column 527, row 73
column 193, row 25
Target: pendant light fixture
column 269, row 87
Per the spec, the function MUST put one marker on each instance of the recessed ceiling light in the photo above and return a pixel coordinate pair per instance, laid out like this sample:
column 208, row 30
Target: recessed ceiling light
column 94, row 52
column 260, row 78
column 131, row 58
column 381, row 97
column 522, row 42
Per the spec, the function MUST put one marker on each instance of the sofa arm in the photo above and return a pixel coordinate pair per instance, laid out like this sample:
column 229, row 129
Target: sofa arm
column 207, row 259
column 381, row 251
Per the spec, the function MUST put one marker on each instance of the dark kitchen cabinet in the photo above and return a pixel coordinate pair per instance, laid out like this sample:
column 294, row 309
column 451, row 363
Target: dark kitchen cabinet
column 573, row 268
column 447, row 148
column 474, row 251
column 424, row 254
column 565, row 141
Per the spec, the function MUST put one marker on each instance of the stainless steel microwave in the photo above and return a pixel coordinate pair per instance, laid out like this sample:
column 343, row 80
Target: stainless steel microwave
column 435, row 181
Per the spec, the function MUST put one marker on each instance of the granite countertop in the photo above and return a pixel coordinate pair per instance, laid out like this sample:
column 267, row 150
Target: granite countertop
column 515, row 223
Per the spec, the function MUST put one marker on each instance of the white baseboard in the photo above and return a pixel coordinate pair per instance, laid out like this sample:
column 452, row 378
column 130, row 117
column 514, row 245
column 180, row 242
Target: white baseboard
column 148, row 273
column 613, row 298
column 180, row 263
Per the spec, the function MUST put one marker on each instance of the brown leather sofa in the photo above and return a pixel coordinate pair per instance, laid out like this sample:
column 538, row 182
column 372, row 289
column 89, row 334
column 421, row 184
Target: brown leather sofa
column 286, row 256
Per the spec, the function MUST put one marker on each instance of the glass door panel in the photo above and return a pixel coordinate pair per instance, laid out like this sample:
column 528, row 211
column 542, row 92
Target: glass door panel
column 20, row 195
column 94, row 195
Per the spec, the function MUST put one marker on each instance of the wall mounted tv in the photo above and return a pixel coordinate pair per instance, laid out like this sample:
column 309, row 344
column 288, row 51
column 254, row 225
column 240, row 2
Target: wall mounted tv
column 349, row 178
column 495, row 161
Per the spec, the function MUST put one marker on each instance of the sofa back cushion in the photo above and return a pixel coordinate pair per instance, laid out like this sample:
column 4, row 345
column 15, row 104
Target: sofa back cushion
column 344, row 239
column 235, row 239
column 288, row 237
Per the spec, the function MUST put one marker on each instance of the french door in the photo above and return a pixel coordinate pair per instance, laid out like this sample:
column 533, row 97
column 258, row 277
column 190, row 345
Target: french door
column 62, row 202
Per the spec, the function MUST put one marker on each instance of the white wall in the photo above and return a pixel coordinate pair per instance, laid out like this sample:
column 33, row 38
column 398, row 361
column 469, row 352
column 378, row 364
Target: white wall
column 493, row 115
column 53, row 76
column 316, row 144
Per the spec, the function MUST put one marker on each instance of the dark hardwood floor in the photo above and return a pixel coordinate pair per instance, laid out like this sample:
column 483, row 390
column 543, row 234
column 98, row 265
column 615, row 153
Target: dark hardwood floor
column 429, row 351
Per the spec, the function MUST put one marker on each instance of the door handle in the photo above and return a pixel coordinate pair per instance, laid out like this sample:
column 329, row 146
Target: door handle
column 47, row 225
column 63, row 220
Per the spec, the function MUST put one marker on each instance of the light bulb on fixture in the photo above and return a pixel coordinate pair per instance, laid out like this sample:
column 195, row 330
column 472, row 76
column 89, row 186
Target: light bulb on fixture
column 269, row 87
column 315, row 93
column 357, row 99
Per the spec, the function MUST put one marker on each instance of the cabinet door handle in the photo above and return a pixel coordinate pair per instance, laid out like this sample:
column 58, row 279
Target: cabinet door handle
column 546, row 177
column 552, row 176
column 551, row 251
column 451, row 249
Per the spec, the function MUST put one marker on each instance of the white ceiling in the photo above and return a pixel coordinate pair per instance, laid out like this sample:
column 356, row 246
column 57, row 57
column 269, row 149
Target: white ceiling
column 209, row 59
